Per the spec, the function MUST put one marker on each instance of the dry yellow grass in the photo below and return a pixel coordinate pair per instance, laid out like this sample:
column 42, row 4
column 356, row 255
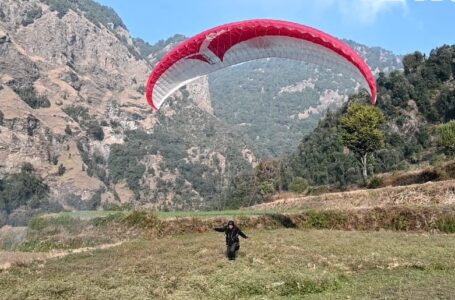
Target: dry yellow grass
column 430, row 193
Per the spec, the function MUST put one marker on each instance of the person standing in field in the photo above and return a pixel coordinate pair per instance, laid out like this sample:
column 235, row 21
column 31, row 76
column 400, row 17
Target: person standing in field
column 232, row 233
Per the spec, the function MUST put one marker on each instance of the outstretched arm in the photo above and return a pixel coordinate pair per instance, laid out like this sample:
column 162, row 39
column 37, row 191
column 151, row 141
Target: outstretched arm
column 242, row 234
column 220, row 229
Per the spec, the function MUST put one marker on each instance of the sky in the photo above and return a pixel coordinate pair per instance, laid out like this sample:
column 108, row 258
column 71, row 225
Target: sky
column 402, row 26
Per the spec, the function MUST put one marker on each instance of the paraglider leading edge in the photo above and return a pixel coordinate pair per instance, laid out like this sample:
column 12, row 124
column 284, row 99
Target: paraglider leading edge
column 234, row 43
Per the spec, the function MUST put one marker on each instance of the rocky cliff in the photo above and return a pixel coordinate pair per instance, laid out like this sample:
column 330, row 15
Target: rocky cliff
column 72, row 89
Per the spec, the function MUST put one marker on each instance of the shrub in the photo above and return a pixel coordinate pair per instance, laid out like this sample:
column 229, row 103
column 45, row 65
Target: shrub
column 299, row 185
column 96, row 131
column 446, row 136
column 445, row 104
column 78, row 113
column 22, row 189
column 325, row 219
column 29, row 96
column 109, row 219
column 62, row 7
column 436, row 160
column 375, row 182
column 68, row 130
column 402, row 221
column 2, row 116
column 266, row 188
column 446, row 224
column 55, row 160
column 113, row 207
column 27, row 168
column 61, row 170
column 143, row 219
column 33, row 14
column 124, row 161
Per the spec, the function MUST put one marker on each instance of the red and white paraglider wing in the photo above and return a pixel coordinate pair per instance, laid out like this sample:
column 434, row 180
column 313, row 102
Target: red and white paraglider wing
column 239, row 42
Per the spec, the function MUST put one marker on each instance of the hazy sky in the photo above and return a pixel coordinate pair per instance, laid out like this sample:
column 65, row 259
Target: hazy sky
column 398, row 25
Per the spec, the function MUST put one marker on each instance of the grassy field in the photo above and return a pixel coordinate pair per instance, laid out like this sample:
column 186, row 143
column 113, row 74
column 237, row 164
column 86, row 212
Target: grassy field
column 273, row 264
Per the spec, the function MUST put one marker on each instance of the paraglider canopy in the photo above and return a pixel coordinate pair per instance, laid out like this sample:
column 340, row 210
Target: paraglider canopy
column 235, row 43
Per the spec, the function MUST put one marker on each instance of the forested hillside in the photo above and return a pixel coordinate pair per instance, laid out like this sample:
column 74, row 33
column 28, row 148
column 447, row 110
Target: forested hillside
column 414, row 102
column 276, row 102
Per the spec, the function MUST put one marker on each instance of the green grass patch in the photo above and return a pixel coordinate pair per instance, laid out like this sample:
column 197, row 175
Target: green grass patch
column 142, row 219
column 42, row 246
column 108, row 219
column 446, row 224
column 66, row 221
column 272, row 264
column 85, row 214
column 325, row 219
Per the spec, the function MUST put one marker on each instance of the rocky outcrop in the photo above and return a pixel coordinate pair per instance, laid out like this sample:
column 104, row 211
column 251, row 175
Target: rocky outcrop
column 93, row 78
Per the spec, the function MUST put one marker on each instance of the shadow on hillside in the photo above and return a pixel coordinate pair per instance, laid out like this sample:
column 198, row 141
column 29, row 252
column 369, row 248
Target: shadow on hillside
column 284, row 220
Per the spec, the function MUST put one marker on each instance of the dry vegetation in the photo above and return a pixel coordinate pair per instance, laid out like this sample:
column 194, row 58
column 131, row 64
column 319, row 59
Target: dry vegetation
column 430, row 193
column 385, row 243
column 278, row 264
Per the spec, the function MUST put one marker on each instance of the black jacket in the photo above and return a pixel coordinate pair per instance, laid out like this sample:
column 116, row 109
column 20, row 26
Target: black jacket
column 232, row 235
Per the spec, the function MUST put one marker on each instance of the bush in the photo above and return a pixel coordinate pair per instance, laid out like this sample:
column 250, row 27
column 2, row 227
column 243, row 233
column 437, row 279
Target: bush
column 2, row 116
column 27, row 168
column 78, row 113
column 113, row 207
column 436, row 160
column 375, row 182
column 325, row 219
column 29, row 96
column 23, row 189
column 33, row 14
column 446, row 136
column 68, row 130
column 446, row 224
column 62, row 7
column 266, row 188
column 79, row 204
column 143, row 219
column 299, row 185
column 108, row 220
column 61, row 170
column 124, row 161
column 445, row 104
column 96, row 131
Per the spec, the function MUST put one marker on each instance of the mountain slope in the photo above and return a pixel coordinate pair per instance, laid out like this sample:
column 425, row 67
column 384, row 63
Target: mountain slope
column 414, row 103
column 276, row 102
column 74, row 92
column 72, row 105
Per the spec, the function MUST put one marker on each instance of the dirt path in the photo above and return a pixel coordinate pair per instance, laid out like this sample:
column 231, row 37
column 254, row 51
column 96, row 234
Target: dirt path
column 9, row 259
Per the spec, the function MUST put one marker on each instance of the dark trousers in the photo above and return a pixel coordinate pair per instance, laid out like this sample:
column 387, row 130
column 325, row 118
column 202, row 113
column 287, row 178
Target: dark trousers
column 231, row 250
